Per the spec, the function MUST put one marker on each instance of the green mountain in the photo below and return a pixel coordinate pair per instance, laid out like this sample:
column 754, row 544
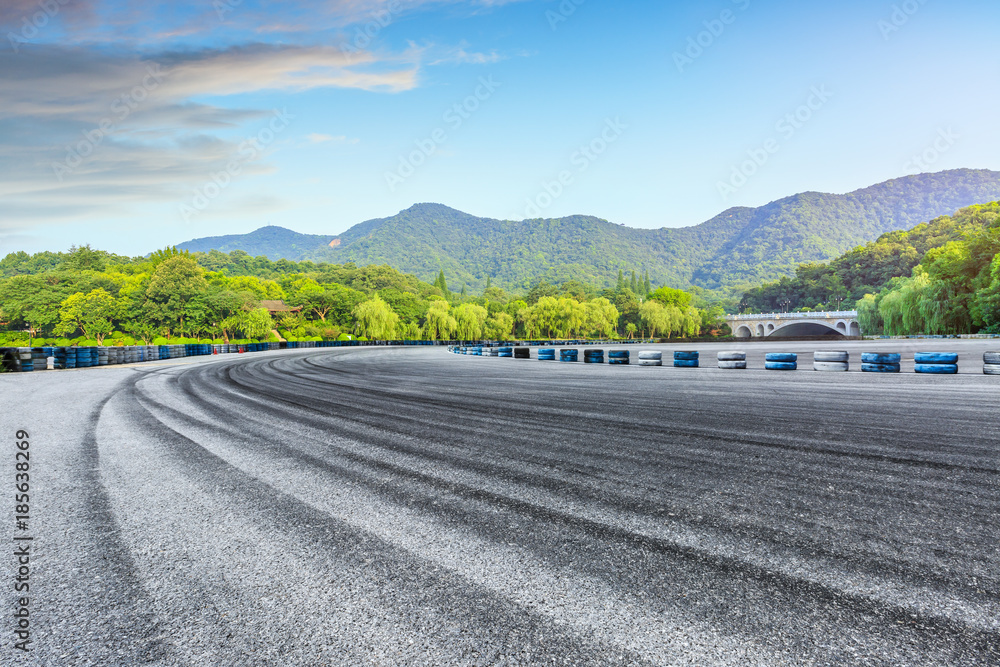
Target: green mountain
column 271, row 242
column 738, row 248
column 871, row 268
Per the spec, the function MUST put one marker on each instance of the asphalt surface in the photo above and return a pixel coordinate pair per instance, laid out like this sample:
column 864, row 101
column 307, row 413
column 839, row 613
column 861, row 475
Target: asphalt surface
column 407, row 506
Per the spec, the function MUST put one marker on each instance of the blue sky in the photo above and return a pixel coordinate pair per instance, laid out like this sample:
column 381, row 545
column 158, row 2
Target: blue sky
column 132, row 126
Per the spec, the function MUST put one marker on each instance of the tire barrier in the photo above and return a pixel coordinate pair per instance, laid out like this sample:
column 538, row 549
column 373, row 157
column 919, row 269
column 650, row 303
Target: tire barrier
column 650, row 358
column 547, row 354
column 880, row 358
column 781, row 361
column 569, row 355
column 991, row 358
column 522, row 353
column 831, row 366
column 834, row 357
column 935, row 358
column 618, row 357
column 831, row 362
column 732, row 360
column 593, row 356
column 879, row 368
column 880, row 362
column 686, row 359
column 938, row 363
column 507, row 352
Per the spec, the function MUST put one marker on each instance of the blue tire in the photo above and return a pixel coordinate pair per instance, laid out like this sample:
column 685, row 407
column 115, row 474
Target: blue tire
column 879, row 368
column 618, row 361
column 782, row 357
column 880, row 358
column 618, row 354
column 593, row 360
column 685, row 363
column 781, row 365
column 685, row 356
column 939, row 369
column 936, row 357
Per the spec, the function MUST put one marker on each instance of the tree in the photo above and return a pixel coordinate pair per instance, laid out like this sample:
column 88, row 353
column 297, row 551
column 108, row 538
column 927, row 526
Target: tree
column 254, row 324
column 31, row 302
column 439, row 324
column 92, row 313
column 375, row 319
column 469, row 321
column 655, row 317
column 441, row 284
column 601, row 317
column 499, row 326
column 174, row 282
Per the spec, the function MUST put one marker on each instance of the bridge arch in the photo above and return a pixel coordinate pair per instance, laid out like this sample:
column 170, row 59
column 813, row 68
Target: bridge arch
column 794, row 329
column 760, row 330
column 743, row 332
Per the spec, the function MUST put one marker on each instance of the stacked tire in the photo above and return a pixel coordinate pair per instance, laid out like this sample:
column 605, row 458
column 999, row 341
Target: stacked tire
column 732, row 360
column 546, row 354
column 831, row 362
column 880, row 362
column 937, row 363
column 593, row 356
column 506, row 352
column 650, row 358
column 618, row 357
column 991, row 363
column 781, row 361
column 569, row 355
column 24, row 359
column 686, row 359
column 522, row 353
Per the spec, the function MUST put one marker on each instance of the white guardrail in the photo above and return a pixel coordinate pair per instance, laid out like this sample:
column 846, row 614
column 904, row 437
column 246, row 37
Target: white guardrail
column 795, row 316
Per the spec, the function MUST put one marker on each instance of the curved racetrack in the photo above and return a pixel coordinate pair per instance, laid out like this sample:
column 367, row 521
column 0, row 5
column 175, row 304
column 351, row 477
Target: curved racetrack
column 407, row 506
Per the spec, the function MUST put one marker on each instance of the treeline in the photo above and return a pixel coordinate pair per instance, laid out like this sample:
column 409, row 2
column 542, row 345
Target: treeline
column 94, row 297
column 939, row 278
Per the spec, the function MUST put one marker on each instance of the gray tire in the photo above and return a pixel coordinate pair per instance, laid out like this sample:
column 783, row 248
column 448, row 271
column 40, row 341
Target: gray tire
column 732, row 356
column 831, row 366
column 838, row 357
column 731, row 365
column 650, row 362
column 992, row 358
column 991, row 369
column 650, row 354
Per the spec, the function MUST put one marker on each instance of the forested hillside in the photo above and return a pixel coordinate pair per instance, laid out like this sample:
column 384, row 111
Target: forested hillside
column 941, row 277
column 737, row 249
column 90, row 297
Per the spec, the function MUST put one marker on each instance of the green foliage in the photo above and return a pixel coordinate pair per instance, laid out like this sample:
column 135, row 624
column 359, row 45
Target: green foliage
column 375, row 319
column 739, row 247
column 953, row 290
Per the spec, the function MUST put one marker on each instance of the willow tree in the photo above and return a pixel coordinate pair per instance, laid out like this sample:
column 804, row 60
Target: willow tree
column 375, row 319
column 439, row 323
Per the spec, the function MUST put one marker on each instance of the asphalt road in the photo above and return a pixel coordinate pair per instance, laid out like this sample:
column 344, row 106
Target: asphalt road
column 408, row 506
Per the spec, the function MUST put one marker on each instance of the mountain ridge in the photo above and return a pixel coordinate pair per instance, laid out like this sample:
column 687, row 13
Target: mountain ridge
column 738, row 247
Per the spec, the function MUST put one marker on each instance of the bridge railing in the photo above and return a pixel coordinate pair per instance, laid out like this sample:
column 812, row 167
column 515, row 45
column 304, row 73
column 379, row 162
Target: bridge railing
column 840, row 314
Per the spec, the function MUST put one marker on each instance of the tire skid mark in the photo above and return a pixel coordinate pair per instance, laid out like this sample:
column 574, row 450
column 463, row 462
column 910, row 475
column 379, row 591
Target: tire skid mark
column 630, row 505
column 482, row 606
column 607, row 533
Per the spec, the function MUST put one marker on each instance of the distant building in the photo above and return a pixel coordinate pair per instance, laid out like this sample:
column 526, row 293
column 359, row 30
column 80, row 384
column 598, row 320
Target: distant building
column 279, row 307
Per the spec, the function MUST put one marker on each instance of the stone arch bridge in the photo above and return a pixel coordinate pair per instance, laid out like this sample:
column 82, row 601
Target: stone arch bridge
column 841, row 323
